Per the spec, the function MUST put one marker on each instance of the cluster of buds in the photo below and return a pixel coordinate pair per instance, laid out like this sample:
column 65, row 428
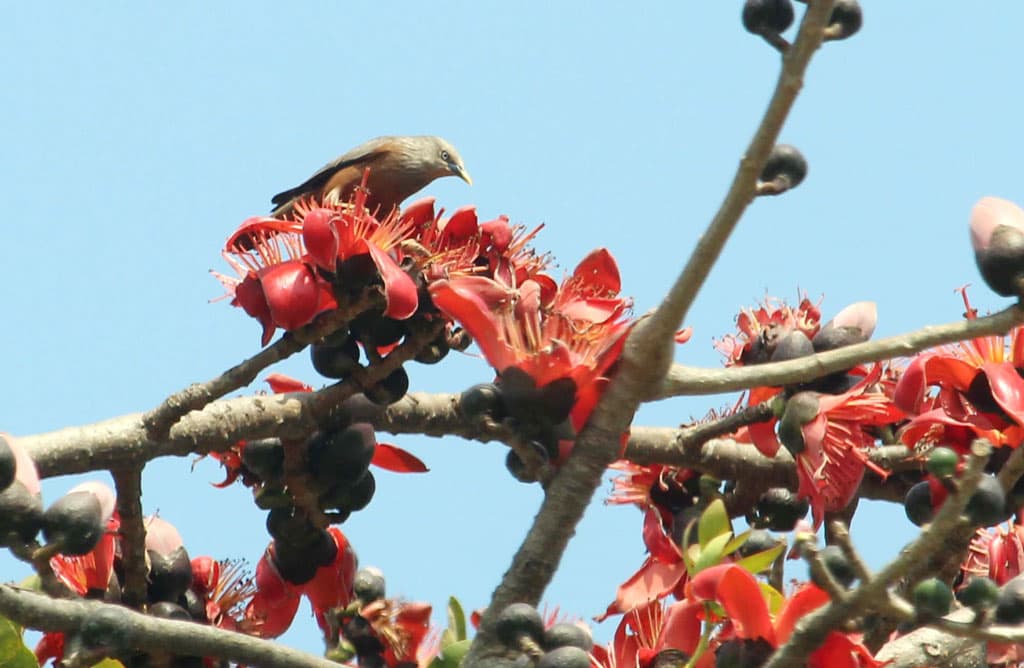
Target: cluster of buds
column 543, row 642
column 199, row 590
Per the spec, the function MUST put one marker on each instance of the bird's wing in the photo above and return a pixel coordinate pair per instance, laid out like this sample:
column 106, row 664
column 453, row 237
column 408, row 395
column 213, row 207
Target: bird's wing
column 364, row 154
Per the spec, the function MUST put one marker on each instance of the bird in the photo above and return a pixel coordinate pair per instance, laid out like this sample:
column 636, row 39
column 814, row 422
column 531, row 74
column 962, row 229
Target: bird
column 400, row 166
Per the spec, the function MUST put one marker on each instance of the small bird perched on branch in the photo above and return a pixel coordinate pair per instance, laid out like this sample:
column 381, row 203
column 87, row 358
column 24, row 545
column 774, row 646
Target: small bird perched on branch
column 399, row 167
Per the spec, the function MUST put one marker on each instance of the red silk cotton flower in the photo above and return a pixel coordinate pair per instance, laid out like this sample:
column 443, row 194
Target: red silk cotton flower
column 278, row 285
column 969, row 390
column 575, row 331
column 828, row 425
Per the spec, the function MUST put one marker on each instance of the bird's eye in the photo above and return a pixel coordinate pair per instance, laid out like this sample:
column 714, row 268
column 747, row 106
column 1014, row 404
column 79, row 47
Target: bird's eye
column 445, row 156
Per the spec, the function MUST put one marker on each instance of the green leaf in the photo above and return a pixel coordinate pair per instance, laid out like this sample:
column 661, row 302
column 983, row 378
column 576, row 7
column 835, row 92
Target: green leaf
column 452, row 655
column 775, row 599
column 108, row 663
column 13, row 653
column 448, row 638
column 32, row 582
column 690, row 556
column 737, row 542
column 711, row 554
column 760, row 561
column 714, row 522
column 456, row 618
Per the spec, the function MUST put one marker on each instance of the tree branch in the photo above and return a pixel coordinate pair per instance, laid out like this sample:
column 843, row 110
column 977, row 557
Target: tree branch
column 811, row 631
column 128, row 481
column 683, row 380
column 197, row 395
column 141, row 632
column 645, row 361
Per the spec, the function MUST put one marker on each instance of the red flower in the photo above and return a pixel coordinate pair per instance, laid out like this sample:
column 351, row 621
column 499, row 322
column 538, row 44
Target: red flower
column 978, row 392
column 331, row 587
column 282, row 264
column 402, row 627
column 276, row 285
column 760, row 330
column 667, row 496
column 652, row 628
column 835, row 427
column 575, row 332
column 273, row 606
column 749, row 617
column 837, row 443
column 227, row 590
column 341, row 231
column 91, row 572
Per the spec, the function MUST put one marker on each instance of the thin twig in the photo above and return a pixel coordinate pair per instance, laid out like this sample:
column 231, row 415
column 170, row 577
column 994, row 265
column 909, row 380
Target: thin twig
column 128, row 481
column 159, row 420
column 683, row 380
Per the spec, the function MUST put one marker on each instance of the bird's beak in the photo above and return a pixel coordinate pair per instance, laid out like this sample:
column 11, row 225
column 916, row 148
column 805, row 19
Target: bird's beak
column 460, row 171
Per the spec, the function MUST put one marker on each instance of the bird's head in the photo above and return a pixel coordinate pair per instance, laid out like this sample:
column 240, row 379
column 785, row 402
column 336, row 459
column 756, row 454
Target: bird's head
column 438, row 158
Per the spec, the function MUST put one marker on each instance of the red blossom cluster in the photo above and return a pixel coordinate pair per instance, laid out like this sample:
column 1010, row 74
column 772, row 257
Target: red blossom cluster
column 829, row 425
column 553, row 346
column 712, row 578
column 721, row 610
column 558, row 338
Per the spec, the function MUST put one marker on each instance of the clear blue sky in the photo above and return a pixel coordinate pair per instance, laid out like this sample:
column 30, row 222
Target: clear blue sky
column 136, row 136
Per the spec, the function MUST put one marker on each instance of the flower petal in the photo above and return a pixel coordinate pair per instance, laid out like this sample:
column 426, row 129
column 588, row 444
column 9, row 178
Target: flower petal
column 1007, row 388
column 472, row 313
column 291, row 291
column 739, row 593
column 393, row 458
column 800, row 603
column 654, row 580
column 419, row 212
column 282, row 384
column 399, row 288
column 461, row 226
column 599, row 271
column 658, row 543
column 320, row 237
column 681, row 627
column 988, row 214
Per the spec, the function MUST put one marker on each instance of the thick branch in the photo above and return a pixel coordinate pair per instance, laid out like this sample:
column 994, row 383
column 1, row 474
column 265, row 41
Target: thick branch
column 108, row 444
column 645, row 360
column 931, row 647
column 141, row 632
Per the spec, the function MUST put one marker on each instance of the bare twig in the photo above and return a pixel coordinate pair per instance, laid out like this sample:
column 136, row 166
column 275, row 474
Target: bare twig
column 683, row 380
column 197, row 395
column 128, row 481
